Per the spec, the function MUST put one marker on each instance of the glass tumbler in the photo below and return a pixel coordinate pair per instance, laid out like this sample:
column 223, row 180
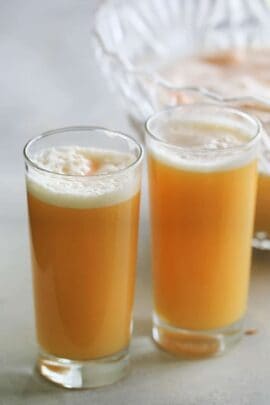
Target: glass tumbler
column 202, row 165
column 83, row 190
column 261, row 238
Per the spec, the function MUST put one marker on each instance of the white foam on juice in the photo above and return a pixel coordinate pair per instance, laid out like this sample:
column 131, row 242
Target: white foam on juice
column 78, row 177
column 232, row 72
column 201, row 146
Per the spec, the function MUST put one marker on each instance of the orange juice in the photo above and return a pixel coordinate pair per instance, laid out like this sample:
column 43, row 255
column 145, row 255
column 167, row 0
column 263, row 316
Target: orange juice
column 84, row 241
column 202, row 212
column 262, row 217
column 201, row 231
column 262, row 213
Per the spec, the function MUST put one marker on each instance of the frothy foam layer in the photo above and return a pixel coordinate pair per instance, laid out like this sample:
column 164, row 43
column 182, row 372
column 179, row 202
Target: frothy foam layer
column 75, row 160
column 204, row 135
column 234, row 72
column 201, row 146
column 91, row 177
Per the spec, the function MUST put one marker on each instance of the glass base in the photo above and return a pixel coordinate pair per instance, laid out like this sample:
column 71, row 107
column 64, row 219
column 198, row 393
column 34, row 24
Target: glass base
column 195, row 344
column 261, row 240
column 83, row 374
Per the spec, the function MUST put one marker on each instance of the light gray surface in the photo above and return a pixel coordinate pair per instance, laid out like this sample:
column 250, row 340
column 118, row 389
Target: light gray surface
column 49, row 79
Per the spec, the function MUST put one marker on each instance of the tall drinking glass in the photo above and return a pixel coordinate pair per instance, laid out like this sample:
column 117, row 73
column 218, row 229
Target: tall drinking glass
column 262, row 218
column 202, row 162
column 262, row 215
column 83, row 188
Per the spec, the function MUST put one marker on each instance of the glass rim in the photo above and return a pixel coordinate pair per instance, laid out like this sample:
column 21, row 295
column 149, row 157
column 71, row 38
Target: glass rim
column 82, row 128
column 233, row 111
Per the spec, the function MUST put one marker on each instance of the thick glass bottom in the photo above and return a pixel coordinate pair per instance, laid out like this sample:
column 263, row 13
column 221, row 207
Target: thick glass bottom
column 195, row 344
column 83, row 374
column 261, row 240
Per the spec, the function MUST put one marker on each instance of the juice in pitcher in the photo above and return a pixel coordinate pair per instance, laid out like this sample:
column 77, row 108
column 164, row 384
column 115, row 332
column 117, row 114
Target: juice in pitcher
column 262, row 219
column 261, row 239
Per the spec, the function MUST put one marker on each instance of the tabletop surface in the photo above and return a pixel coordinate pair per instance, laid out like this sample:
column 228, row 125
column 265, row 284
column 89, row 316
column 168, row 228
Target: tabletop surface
column 49, row 79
